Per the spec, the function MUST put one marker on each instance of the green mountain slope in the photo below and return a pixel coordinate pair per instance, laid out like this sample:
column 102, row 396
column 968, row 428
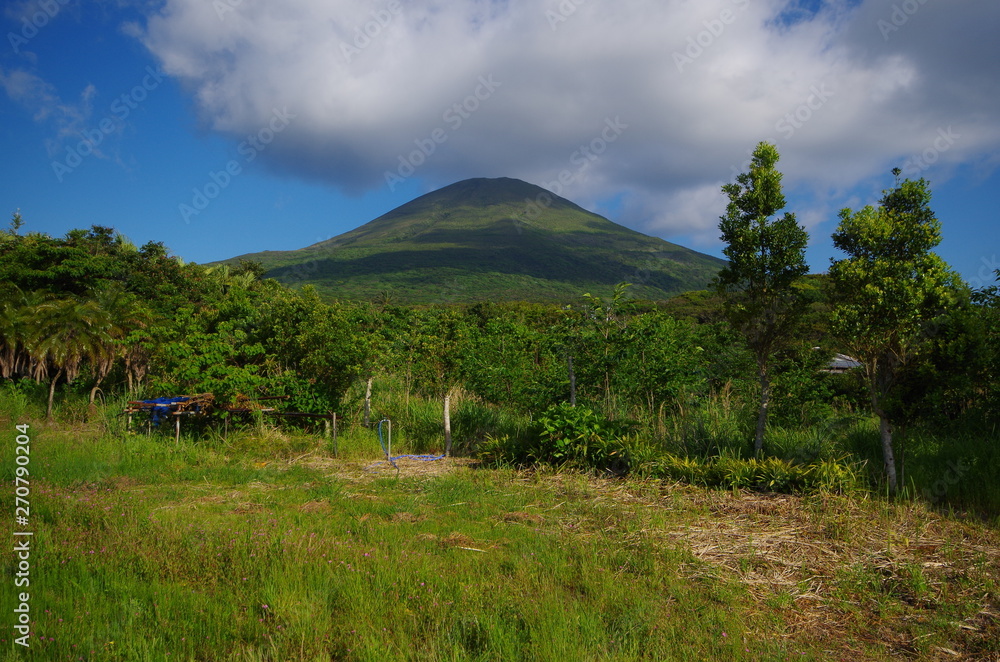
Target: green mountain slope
column 484, row 239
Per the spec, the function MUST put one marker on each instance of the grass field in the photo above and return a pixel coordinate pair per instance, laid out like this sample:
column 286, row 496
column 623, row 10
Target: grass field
column 266, row 547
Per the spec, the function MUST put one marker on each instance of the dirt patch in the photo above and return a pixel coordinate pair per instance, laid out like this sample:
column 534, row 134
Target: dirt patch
column 407, row 517
column 367, row 470
column 523, row 518
column 314, row 506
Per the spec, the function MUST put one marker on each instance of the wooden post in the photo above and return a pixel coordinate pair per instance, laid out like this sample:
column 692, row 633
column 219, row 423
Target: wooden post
column 447, row 423
column 333, row 422
column 177, row 428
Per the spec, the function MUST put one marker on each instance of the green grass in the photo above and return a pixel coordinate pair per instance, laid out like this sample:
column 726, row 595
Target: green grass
column 265, row 547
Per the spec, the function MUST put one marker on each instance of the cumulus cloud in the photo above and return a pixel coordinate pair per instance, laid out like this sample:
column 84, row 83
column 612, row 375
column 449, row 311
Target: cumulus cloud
column 527, row 88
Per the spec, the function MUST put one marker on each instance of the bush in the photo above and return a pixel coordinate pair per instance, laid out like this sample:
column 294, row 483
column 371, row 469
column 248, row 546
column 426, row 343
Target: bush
column 565, row 435
column 579, row 436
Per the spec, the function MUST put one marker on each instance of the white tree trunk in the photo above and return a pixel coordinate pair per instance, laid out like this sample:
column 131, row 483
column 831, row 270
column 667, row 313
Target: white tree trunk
column 368, row 401
column 765, row 401
column 52, row 394
column 888, row 457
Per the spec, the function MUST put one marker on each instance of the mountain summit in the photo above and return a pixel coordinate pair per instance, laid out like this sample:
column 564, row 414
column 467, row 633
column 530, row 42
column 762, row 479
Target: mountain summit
column 490, row 239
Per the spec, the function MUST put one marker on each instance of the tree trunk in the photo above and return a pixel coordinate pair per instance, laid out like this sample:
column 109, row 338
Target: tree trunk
column 93, row 393
column 888, row 457
column 884, row 374
column 447, row 423
column 52, row 395
column 765, row 400
column 92, row 408
column 572, row 381
column 368, row 400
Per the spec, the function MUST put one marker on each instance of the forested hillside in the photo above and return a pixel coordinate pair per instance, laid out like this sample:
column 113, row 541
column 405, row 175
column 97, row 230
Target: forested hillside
column 484, row 239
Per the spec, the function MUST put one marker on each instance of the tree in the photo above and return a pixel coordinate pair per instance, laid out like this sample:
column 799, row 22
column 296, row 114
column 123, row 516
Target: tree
column 435, row 356
column 130, row 319
column 608, row 321
column 766, row 257
column 65, row 334
column 16, row 223
column 888, row 292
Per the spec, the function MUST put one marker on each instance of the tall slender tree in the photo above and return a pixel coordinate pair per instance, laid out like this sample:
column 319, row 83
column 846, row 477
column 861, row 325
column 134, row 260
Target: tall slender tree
column 766, row 256
column 888, row 291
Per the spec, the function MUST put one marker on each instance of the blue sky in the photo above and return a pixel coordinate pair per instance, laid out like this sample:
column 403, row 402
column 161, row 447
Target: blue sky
column 234, row 126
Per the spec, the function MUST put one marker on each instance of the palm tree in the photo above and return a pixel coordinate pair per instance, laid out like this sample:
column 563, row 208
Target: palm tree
column 129, row 318
column 16, row 309
column 11, row 331
column 65, row 333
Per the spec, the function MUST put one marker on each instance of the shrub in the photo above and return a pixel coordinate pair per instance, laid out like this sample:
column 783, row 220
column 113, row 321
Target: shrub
column 579, row 436
column 565, row 435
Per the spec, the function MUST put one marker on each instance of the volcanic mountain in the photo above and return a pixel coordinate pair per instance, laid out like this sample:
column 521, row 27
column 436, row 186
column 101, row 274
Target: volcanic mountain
column 490, row 240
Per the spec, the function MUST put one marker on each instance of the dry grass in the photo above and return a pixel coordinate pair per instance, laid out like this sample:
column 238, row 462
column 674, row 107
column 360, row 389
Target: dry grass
column 896, row 578
column 367, row 470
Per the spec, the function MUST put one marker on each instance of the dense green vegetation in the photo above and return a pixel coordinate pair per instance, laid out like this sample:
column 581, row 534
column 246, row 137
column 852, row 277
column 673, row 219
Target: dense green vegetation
column 592, row 525
column 489, row 240
column 665, row 383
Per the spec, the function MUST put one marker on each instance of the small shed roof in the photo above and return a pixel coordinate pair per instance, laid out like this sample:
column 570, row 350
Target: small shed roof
column 842, row 363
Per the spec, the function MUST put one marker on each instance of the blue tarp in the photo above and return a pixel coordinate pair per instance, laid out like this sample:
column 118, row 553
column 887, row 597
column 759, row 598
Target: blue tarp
column 156, row 414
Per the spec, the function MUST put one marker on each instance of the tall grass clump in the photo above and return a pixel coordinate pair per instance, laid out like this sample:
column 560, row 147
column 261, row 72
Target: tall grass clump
column 721, row 424
column 956, row 467
column 767, row 474
column 21, row 401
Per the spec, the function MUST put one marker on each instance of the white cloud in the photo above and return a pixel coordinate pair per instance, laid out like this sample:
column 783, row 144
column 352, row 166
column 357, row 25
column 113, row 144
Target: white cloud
column 841, row 101
column 40, row 98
